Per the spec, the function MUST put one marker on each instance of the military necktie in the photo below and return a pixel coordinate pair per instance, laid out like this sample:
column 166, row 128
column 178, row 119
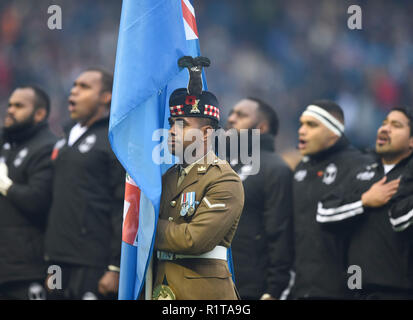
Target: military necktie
column 182, row 174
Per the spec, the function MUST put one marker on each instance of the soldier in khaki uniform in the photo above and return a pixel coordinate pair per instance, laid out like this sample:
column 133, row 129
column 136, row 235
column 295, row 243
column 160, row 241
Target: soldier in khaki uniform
column 200, row 208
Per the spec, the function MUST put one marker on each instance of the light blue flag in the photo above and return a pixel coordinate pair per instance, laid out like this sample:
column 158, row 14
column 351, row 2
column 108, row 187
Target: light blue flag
column 153, row 35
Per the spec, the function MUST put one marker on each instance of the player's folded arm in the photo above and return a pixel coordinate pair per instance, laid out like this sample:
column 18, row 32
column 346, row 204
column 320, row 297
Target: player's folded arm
column 34, row 197
column 401, row 214
column 339, row 206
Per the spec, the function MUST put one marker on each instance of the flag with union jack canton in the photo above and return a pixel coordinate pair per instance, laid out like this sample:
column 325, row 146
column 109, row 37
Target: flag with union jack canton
column 153, row 35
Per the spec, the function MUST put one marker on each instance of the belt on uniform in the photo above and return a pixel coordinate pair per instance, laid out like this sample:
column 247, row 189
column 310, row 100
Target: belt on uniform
column 219, row 252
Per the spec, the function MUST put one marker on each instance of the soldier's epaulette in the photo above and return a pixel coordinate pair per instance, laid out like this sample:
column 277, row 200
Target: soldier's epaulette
column 221, row 164
column 216, row 162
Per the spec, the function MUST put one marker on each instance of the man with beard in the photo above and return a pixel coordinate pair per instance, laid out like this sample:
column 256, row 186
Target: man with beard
column 85, row 224
column 327, row 159
column 380, row 250
column 263, row 245
column 25, row 193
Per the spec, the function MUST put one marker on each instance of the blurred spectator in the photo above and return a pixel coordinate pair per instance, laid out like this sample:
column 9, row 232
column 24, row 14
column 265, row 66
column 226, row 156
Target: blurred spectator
column 31, row 52
column 25, row 193
column 288, row 52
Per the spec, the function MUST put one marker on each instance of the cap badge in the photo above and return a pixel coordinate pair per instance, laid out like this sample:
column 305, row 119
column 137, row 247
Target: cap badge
column 193, row 101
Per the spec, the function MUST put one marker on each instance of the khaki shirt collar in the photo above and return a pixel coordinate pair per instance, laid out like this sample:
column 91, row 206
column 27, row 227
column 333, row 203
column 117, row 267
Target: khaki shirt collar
column 209, row 156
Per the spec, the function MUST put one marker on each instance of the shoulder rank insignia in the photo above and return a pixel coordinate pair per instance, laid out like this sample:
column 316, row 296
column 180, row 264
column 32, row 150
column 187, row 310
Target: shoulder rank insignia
column 188, row 204
column 201, row 169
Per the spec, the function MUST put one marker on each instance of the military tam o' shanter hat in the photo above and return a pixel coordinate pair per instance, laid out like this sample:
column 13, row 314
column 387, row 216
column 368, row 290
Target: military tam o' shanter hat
column 183, row 104
column 192, row 101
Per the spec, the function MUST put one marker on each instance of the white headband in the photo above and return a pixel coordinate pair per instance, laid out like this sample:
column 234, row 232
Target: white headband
column 325, row 118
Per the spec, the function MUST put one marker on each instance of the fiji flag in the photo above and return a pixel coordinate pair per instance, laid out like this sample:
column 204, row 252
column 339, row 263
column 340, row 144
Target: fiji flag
column 153, row 35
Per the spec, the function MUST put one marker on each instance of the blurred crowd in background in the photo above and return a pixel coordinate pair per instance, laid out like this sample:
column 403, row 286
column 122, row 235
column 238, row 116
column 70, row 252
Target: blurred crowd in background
column 287, row 53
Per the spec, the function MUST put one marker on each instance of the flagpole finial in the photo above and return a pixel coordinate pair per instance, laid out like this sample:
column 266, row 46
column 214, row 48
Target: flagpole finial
column 194, row 66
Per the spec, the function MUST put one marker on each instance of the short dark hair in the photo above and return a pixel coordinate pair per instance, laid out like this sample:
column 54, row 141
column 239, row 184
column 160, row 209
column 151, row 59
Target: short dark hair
column 41, row 98
column 331, row 107
column 408, row 112
column 107, row 78
column 269, row 114
column 209, row 122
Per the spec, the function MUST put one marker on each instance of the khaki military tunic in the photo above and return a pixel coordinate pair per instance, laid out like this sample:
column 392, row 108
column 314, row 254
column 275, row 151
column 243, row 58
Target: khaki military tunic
column 220, row 198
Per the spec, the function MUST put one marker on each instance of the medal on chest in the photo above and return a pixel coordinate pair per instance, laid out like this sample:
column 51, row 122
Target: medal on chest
column 188, row 204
